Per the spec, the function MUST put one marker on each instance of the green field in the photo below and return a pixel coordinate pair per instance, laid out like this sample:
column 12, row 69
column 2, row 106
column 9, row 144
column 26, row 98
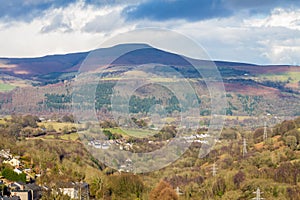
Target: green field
column 72, row 136
column 2, row 121
column 6, row 87
column 57, row 125
column 139, row 133
column 293, row 77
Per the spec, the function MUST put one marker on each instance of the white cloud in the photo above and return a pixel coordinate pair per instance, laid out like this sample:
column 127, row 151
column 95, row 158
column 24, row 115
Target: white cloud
column 278, row 18
column 106, row 22
column 78, row 27
column 59, row 31
column 261, row 40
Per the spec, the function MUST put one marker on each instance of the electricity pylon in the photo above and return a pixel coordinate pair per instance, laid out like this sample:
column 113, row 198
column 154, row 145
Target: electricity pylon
column 265, row 131
column 244, row 147
column 214, row 169
column 258, row 194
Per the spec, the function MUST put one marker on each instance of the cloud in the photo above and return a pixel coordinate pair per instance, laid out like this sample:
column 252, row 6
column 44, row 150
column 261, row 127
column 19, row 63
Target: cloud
column 57, row 24
column 27, row 10
column 106, row 22
column 191, row 10
column 257, row 6
column 235, row 33
column 278, row 18
column 195, row 10
column 252, row 40
column 58, row 31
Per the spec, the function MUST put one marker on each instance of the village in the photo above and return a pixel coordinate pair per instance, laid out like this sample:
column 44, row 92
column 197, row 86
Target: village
column 19, row 183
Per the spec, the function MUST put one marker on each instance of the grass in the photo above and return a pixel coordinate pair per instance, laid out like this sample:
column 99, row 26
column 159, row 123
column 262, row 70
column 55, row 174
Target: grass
column 139, row 133
column 294, row 77
column 6, row 87
column 57, row 125
column 72, row 136
column 49, row 137
column 2, row 121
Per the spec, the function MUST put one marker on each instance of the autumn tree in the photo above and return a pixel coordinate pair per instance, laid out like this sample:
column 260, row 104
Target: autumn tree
column 163, row 191
column 287, row 173
column 125, row 186
column 291, row 141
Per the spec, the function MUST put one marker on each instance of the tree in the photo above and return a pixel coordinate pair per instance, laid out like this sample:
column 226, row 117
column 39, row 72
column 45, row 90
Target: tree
column 14, row 129
column 163, row 191
column 30, row 121
column 293, row 193
column 239, row 178
column 68, row 118
column 168, row 194
column 50, row 128
column 287, row 173
column 291, row 141
column 96, row 188
column 65, row 130
column 13, row 176
column 126, row 186
column 219, row 187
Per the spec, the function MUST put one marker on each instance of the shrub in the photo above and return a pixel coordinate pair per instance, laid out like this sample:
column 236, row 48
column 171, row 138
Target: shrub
column 219, row 187
column 13, row 176
column 239, row 178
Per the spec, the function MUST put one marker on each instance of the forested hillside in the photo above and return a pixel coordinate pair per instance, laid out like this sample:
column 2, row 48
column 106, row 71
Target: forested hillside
column 272, row 164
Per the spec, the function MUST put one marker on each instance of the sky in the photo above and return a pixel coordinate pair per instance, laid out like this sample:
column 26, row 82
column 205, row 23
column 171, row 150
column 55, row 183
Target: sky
column 253, row 31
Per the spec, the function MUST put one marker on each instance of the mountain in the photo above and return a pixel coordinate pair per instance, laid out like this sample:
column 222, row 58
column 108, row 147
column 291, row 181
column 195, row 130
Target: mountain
column 38, row 68
column 250, row 88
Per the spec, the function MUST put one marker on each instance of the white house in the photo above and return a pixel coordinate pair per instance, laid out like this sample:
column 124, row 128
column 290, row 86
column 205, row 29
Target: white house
column 17, row 171
column 75, row 190
column 13, row 162
column 5, row 154
column 71, row 192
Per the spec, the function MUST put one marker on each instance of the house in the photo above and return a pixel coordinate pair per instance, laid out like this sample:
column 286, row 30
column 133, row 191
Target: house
column 23, row 194
column 36, row 191
column 75, row 190
column 99, row 145
column 105, row 145
column 13, row 162
column 42, row 119
column 5, row 154
column 17, row 186
column 26, row 191
column 18, row 171
column 10, row 198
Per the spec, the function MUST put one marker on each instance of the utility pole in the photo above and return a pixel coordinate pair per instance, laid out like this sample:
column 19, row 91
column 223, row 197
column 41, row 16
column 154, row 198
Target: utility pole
column 265, row 131
column 214, row 169
column 258, row 193
column 244, row 147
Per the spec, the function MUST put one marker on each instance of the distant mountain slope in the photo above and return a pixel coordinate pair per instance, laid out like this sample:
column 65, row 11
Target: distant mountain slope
column 250, row 88
column 37, row 68
column 30, row 67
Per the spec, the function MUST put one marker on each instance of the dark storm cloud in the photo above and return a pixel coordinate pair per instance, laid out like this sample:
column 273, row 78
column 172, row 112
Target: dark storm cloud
column 196, row 10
